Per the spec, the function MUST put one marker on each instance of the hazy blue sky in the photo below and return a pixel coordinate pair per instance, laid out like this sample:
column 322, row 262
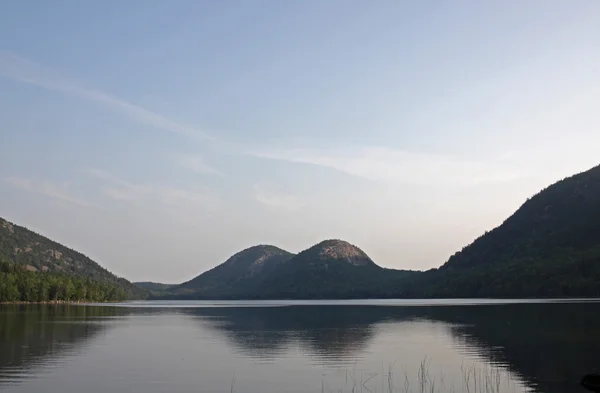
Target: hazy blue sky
column 160, row 137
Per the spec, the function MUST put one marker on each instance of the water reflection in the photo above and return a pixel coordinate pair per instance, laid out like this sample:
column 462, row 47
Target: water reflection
column 33, row 336
column 547, row 346
column 333, row 333
column 551, row 345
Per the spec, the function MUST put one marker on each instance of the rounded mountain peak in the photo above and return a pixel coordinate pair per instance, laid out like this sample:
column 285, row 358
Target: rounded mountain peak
column 341, row 250
column 241, row 266
column 262, row 248
column 256, row 255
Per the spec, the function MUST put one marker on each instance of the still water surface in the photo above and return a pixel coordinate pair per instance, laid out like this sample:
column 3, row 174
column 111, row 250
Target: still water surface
column 272, row 347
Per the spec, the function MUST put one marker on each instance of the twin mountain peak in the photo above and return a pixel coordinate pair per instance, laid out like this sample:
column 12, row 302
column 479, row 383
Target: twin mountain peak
column 259, row 257
column 256, row 269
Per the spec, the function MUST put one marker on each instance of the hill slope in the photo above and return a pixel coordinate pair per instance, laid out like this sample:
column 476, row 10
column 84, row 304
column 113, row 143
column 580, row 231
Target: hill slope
column 37, row 253
column 238, row 274
column 549, row 247
column 154, row 288
column 328, row 270
column 564, row 216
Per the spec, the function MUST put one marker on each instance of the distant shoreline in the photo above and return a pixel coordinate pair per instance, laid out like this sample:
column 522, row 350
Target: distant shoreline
column 57, row 302
column 414, row 301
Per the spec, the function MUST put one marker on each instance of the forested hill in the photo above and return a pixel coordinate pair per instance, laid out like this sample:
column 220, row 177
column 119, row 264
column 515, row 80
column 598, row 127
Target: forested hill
column 17, row 284
column 328, row 270
column 550, row 247
column 36, row 253
column 241, row 273
column 563, row 217
column 153, row 286
column 331, row 269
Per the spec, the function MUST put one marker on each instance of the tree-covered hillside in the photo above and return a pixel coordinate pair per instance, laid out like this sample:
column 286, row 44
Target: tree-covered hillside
column 36, row 253
column 550, row 247
column 241, row 273
column 18, row 284
column 563, row 217
column 153, row 286
column 330, row 269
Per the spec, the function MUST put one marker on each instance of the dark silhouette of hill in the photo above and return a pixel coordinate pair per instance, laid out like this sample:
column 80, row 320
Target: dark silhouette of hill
column 328, row 270
column 155, row 287
column 550, row 247
column 563, row 217
column 36, row 253
column 239, row 274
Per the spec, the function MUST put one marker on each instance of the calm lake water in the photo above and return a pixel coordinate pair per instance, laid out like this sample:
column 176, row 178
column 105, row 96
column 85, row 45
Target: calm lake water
column 274, row 347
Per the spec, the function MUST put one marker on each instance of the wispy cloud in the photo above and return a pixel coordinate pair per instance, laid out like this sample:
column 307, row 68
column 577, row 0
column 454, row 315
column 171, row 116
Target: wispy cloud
column 177, row 196
column 52, row 190
column 275, row 200
column 123, row 190
column 121, row 194
column 26, row 71
column 100, row 174
column 397, row 166
column 197, row 164
column 126, row 191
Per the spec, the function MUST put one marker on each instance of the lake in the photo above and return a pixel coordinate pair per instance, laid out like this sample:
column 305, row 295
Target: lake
column 300, row 346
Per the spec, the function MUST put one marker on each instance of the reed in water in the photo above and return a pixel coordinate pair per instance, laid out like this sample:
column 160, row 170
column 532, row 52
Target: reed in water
column 474, row 379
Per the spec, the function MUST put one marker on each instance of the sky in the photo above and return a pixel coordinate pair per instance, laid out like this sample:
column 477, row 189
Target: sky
column 161, row 137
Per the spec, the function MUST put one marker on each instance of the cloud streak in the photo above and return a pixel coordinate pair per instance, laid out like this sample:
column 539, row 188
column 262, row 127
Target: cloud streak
column 123, row 190
column 26, row 71
column 276, row 201
column 197, row 164
column 397, row 166
column 46, row 188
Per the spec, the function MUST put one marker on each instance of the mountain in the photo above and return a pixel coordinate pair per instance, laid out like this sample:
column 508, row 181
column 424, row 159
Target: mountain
column 38, row 254
column 334, row 251
column 328, row 270
column 239, row 274
column 153, row 286
column 564, row 216
column 550, row 247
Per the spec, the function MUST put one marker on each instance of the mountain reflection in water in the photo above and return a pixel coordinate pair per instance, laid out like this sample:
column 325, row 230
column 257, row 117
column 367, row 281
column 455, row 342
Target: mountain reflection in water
column 549, row 345
column 546, row 346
